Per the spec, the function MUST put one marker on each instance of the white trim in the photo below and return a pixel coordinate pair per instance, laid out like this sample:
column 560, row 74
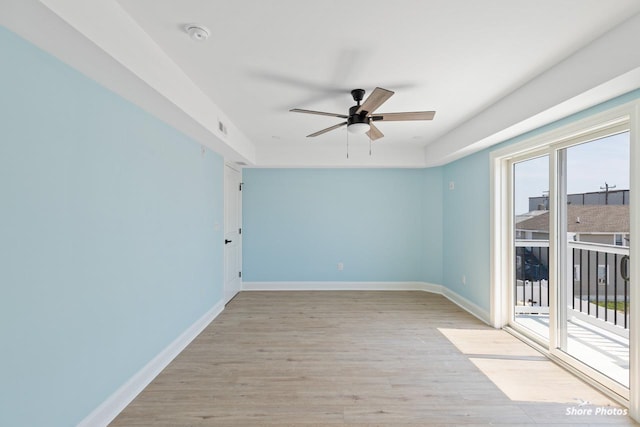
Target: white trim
column 573, row 132
column 233, row 165
column 235, row 234
column 498, row 241
column 501, row 222
column 589, row 128
column 570, row 367
column 145, row 59
column 455, row 298
column 634, row 290
column 110, row 408
column 341, row 286
column 467, row 305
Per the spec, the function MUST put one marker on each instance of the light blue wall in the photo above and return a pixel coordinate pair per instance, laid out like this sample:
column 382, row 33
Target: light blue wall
column 466, row 228
column 383, row 224
column 107, row 245
column 108, row 250
column 466, row 223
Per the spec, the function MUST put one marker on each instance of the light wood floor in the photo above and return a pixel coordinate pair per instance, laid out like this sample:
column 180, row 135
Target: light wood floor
column 360, row 358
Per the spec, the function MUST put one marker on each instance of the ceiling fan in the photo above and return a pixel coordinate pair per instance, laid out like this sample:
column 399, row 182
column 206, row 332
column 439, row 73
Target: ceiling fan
column 362, row 116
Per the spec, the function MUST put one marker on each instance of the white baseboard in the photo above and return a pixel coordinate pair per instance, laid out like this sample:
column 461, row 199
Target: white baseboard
column 340, row 286
column 110, row 408
column 467, row 305
column 455, row 298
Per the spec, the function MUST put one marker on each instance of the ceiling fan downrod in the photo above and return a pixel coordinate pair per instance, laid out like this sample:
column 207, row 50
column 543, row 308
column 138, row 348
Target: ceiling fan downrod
column 355, row 117
column 358, row 95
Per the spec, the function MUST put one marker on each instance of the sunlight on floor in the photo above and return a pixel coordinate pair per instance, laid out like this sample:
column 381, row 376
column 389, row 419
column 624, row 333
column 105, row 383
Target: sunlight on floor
column 522, row 373
column 591, row 343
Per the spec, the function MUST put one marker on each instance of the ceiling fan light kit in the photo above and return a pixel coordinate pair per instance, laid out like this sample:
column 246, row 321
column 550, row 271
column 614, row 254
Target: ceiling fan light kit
column 358, row 128
column 361, row 116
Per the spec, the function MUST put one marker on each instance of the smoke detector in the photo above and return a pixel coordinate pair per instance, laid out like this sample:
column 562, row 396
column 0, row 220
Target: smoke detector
column 197, row 32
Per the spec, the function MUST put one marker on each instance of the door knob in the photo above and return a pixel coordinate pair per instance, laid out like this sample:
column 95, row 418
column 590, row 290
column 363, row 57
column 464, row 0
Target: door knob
column 226, row 241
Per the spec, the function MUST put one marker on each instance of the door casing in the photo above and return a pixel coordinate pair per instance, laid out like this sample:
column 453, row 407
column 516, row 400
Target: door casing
column 232, row 232
column 627, row 115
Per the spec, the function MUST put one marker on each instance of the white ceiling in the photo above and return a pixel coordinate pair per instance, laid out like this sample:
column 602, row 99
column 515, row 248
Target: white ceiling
column 462, row 58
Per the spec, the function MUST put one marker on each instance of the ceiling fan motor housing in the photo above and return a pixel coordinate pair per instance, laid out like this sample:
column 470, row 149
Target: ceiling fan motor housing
column 357, row 118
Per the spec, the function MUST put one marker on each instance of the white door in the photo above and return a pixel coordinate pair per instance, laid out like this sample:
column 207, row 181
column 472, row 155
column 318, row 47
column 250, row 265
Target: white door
column 232, row 233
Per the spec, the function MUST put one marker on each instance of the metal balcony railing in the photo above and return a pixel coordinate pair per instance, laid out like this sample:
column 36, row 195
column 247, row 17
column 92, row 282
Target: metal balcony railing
column 599, row 273
column 600, row 281
column 532, row 276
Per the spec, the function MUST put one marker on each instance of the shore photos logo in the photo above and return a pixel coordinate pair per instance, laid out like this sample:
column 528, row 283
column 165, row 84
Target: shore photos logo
column 585, row 409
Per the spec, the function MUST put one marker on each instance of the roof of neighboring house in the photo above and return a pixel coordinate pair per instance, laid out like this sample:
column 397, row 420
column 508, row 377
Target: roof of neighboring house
column 585, row 219
column 528, row 215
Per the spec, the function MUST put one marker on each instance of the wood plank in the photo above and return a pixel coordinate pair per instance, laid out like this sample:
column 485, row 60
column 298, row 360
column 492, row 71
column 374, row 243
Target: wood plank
column 356, row 358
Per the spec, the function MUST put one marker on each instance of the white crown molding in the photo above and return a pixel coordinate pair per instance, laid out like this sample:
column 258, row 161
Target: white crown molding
column 598, row 72
column 110, row 408
column 139, row 70
column 146, row 60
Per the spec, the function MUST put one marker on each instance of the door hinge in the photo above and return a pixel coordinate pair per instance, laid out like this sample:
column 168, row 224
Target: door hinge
column 240, row 186
column 239, row 230
column 240, row 274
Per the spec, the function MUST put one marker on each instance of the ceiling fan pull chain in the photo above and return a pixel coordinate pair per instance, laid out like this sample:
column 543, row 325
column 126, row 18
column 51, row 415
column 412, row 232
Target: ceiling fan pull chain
column 369, row 145
column 347, row 144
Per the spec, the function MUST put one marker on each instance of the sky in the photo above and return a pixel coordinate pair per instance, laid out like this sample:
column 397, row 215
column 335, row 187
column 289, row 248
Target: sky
column 589, row 166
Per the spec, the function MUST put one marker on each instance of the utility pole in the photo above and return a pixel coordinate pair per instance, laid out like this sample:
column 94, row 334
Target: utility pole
column 606, row 189
column 545, row 194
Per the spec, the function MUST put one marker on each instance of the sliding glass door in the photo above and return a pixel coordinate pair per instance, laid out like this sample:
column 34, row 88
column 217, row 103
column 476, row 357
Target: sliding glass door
column 567, row 254
column 593, row 241
column 531, row 244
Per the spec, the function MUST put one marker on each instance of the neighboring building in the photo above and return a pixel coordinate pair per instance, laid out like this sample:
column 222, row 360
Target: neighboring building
column 596, row 264
column 612, row 197
column 605, row 224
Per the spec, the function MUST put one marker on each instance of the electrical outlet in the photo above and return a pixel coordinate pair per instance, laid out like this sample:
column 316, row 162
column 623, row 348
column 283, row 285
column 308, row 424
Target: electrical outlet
column 340, row 266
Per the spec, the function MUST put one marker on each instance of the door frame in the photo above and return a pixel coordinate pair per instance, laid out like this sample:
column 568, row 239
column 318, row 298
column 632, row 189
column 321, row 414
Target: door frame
column 237, row 170
column 501, row 226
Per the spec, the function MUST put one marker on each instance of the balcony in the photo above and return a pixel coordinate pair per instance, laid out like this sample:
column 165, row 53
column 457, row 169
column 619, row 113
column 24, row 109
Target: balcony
column 597, row 326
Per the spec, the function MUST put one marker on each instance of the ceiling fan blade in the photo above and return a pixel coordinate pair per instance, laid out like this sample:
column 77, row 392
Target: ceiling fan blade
column 320, row 113
column 375, row 99
column 374, row 133
column 320, row 132
column 400, row 117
